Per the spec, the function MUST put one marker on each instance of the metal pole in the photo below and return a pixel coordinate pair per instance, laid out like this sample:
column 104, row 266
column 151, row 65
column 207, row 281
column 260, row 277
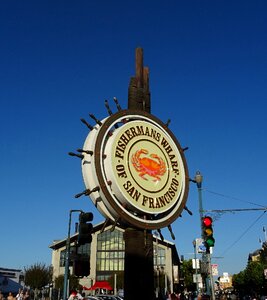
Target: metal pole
column 115, row 284
column 198, row 180
column 67, row 255
column 66, row 274
column 157, row 264
column 196, row 272
column 211, row 278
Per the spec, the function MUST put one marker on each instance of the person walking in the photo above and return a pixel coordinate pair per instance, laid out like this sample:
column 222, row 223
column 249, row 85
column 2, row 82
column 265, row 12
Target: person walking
column 20, row 295
column 10, row 296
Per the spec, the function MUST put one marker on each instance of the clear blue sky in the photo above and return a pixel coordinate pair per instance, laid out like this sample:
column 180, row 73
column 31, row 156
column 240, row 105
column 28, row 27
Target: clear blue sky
column 208, row 73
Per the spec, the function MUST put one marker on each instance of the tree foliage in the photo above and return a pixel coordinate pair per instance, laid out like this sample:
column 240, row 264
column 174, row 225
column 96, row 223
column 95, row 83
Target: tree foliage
column 38, row 275
column 251, row 280
column 187, row 273
column 73, row 283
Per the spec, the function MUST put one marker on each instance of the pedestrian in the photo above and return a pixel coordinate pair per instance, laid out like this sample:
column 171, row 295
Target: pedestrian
column 10, row 296
column 79, row 296
column 20, row 295
column 173, row 297
column 27, row 295
column 73, row 295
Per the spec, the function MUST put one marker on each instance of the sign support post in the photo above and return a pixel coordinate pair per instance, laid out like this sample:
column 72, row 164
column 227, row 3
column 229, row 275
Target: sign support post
column 139, row 268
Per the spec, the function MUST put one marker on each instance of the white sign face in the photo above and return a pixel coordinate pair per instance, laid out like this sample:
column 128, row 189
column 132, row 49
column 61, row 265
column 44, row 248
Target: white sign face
column 139, row 169
column 197, row 278
column 195, row 263
column 214, row 268
column 145, row 167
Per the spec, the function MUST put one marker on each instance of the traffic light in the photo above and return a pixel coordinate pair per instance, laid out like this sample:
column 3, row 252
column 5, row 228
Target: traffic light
column 207, row 231
column 85, row 228
column 81, row 267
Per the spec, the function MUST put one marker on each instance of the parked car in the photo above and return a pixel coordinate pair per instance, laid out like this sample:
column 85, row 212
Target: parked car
column 108, row 297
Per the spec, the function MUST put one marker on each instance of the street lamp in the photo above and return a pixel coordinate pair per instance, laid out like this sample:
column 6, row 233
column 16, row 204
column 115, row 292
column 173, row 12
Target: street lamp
column 198, row 180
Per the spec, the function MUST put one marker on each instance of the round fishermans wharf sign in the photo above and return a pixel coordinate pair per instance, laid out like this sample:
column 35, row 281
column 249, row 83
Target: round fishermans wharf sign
column 140, row 170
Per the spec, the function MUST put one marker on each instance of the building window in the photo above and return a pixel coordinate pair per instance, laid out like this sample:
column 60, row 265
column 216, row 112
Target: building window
column 110, row 251
column 83, row 250
column 159, row 257
column 62, row 258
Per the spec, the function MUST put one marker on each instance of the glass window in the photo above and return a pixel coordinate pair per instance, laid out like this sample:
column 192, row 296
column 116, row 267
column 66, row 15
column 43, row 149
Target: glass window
column 62, row 258
column 110, row 251
column 160, row 256
column 85, row 250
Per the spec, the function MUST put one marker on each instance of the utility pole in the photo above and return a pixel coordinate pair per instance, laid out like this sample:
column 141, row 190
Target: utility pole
column 207, row 257
column 196, row 269
column 67, row 258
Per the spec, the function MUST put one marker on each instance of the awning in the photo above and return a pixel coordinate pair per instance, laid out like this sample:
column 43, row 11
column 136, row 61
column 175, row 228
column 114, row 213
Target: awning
column 8, row 285
column 99, row 285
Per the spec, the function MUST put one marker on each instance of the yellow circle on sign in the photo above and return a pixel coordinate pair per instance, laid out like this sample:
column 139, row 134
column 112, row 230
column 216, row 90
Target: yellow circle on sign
column 145, row 167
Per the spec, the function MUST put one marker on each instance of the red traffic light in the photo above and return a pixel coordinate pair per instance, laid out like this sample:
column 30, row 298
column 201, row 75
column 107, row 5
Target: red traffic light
column 207, row 221
column 207, row 232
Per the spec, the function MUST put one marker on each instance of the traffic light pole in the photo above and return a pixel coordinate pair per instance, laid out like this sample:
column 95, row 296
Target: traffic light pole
column 67, row 255
column 211, row 278
column 198, row 181
column 196, row 272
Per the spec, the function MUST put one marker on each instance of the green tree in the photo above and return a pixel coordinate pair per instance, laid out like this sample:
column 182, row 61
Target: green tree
column 239, row 281
column 38, row 275
column 250, row 281
column 187, row 272
column 255, row 276
column 73, row 283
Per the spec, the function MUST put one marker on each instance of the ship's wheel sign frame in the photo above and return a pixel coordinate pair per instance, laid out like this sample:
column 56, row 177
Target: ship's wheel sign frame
column 139, row 167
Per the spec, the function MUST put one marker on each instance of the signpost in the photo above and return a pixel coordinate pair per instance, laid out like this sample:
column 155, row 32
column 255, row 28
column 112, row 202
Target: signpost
column 135, row 172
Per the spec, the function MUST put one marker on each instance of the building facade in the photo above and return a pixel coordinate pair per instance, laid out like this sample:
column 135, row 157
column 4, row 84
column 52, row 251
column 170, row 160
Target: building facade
column 106, row 256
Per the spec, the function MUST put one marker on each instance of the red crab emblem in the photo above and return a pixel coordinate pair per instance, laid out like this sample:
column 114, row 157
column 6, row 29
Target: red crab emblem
column 151, row 165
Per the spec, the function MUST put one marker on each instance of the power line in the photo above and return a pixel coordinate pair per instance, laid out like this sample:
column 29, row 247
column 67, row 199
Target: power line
column 237, row 240
column 221, row 211
column 234, row 209
column 231, row 197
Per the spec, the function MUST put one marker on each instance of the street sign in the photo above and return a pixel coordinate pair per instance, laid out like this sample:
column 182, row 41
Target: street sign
column 214, row 269
column 197, row 278
column 195, row 263
column 200, row 246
